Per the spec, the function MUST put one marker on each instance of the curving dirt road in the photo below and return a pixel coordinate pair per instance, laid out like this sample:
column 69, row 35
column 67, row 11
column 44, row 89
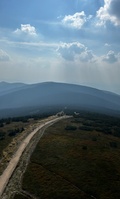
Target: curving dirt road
column 4, row 178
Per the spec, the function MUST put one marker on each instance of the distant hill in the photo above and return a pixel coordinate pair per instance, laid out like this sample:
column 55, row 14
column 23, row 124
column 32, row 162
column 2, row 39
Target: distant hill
column 10, row 87
column 18, row 98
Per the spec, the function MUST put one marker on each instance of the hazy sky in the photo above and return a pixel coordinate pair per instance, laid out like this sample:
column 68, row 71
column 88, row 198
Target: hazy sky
column 73, row 41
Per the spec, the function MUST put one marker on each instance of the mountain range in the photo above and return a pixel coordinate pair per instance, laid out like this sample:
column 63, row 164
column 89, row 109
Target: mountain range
column 23, row 99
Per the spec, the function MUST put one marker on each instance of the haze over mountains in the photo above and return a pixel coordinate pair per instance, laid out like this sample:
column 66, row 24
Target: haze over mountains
column 22, row 99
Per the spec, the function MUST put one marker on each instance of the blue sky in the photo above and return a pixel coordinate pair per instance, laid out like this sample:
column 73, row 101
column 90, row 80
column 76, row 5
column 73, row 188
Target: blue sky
column 72, row 41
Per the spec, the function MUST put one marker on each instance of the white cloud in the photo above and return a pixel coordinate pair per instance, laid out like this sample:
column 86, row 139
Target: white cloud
column 97, row 74
column 26, row 29
column 109, row 12
column 76, row 21
column 75, row 51
column 69, row 50
column 87, row 55
column 107, row 45
column 111, row 57
column 4, row 56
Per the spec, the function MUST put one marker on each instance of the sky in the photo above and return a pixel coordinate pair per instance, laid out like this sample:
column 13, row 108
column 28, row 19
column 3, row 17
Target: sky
column 71, row 41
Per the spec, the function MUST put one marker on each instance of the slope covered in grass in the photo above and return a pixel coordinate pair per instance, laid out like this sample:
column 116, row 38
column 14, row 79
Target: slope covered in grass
column 76, row 163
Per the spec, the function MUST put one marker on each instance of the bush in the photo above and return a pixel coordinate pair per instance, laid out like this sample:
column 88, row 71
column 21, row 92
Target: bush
column 94, row 139
column 1, row 125
column 84, row 147
column 113, row 144
column 86, row 128
column 15, row 131
column 2, row 136
column 72, row 128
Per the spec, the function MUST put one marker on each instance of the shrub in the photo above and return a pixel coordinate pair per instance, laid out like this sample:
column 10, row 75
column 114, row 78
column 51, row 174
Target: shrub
column 94, row 139
column 73, row 128
column 15, row 131
column 86, row 128
column 1, row 125
column 113, row 144
column 2, row 136
column 84, row 147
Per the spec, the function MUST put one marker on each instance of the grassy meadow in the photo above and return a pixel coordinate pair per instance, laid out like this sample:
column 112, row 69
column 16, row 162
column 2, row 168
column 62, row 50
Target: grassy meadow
column 76, row 158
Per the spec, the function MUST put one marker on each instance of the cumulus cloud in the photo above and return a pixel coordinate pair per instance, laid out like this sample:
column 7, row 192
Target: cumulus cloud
column 86, row 56
column 109, row 12
column 107, row 45
column 111, row 57
column 26, row 29
column 75, row 50
column 76, row 21
column 4, row 56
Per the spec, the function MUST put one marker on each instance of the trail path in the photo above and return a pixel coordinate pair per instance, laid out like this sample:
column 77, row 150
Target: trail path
column 5, row 177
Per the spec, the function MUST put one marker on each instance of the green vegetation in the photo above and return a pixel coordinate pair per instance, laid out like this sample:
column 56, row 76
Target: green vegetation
column 77, row 163
column 8, row 130
column 11, row 134
column 70, row 127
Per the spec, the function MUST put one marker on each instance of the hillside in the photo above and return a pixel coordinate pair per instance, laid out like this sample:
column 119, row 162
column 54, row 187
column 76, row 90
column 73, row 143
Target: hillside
column 77, row 158
column 18, row 98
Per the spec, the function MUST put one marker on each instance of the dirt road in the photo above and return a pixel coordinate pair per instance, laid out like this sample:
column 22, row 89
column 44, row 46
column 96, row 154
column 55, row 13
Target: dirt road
column 4, row 178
